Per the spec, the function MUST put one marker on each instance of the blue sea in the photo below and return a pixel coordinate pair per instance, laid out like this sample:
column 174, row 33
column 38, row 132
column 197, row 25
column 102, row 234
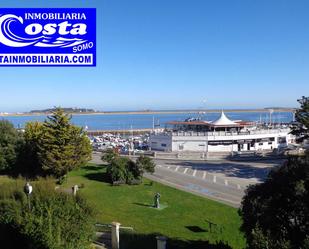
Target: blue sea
column 142, row 121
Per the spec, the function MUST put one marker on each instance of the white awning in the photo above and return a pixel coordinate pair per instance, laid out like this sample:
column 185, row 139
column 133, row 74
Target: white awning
column 223, row 120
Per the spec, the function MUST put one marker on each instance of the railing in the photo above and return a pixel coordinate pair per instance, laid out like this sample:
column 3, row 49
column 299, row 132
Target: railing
column 227, row 133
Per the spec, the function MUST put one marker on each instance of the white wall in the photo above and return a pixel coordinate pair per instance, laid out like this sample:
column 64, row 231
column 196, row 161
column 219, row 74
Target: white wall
column 199, row 143
column 158, row 141
column 190, row 146
column 220, row 148
column 265, row 146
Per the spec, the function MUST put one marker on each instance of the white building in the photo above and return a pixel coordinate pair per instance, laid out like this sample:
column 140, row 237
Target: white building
column 221, row 135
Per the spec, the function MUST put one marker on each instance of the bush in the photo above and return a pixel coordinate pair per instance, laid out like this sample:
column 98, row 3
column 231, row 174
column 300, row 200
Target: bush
column 109, row 155
column 117, row 169
column 145, row 164
column 56, row 220
column 123, row 170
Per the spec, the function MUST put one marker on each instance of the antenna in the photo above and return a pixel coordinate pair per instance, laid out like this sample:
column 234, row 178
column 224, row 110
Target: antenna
column 270, row 113
column 204, row 102
column 153, row 123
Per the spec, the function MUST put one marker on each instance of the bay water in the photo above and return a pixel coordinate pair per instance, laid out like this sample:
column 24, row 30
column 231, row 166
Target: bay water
column 144, row 121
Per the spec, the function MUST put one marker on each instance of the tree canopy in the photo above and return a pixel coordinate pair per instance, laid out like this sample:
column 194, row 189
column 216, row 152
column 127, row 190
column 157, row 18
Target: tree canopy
column 117, row 169
column 276, row 213
column 301, row 126
column 145, row 164
column 28, row 160
column 54, row 147
column 124, row 170
column 109, row 155
column 9, row 142
column 62, row 146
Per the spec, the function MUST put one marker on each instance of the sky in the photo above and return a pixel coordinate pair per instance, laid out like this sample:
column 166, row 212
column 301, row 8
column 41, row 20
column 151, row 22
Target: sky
column 175, row 54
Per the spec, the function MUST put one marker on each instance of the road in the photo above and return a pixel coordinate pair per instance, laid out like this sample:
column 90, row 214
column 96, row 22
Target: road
column 224, row 181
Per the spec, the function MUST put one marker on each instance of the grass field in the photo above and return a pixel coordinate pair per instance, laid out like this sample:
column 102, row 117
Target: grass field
column 182, row 216
column 5, row 179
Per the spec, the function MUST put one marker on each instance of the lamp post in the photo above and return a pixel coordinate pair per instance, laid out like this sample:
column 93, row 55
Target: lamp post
column 28, row 191
column 204, row 107
column 270, row 113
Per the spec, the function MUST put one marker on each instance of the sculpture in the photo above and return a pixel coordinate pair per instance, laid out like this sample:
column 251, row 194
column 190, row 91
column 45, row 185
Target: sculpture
column 157, row 200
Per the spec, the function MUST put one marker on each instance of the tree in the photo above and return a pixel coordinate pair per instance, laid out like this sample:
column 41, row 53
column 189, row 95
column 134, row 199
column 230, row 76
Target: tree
column 117, row 169
column 145, row 164
column 9, row 142
column 133, row 173
column 62, row 146
column 276, row 213
column 109, row 155
column 56, row 220
column 123, row 169
column 28, row 161
column 301, row 127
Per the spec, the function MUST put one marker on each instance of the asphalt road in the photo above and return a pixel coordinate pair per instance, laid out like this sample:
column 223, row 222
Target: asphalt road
column 223, row 180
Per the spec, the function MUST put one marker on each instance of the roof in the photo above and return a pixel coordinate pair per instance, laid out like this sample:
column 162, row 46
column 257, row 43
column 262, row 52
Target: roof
column 223, row 121
column 189, row 123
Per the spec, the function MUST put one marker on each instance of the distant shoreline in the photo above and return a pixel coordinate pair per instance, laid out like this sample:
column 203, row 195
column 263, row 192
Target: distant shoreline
column 153, row 112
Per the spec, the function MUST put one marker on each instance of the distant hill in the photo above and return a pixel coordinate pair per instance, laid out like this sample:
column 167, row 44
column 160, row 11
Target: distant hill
column 68, row 110
column 278, row 108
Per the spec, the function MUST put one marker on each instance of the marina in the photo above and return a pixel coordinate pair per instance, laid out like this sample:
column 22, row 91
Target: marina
column 200, row 137
column 230, row 132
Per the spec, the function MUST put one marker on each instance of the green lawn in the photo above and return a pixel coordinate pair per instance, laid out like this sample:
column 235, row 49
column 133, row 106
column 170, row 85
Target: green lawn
column 5, row 179
column 181, row 213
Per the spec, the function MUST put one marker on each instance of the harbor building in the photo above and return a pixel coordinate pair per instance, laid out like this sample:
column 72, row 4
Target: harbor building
column 221, row 135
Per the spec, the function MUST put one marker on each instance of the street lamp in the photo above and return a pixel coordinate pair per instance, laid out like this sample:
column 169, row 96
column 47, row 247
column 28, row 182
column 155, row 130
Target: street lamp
column 28, row 191
column 271, row 111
